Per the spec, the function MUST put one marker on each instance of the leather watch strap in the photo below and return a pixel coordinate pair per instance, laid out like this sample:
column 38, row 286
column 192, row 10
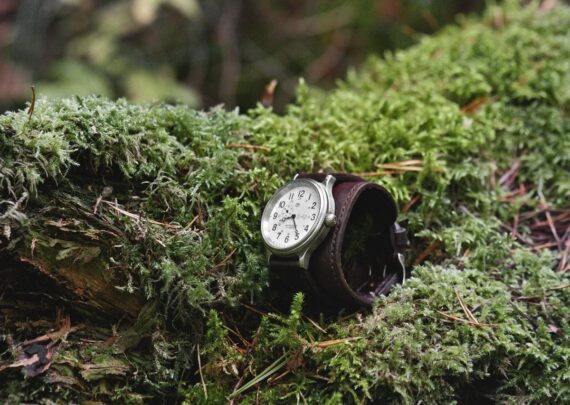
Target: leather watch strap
column 287, row 276
column 361, row 256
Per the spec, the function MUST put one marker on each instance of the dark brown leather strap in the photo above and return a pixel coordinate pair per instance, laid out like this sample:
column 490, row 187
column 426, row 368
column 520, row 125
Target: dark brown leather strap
column 366, row 215
column 287, row 276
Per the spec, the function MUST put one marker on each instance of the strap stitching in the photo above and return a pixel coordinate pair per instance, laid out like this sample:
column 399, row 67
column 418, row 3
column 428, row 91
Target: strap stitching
column 335, row 234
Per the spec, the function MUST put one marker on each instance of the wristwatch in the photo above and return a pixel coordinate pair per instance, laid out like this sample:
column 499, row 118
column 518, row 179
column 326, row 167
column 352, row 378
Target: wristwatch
column 334, row 237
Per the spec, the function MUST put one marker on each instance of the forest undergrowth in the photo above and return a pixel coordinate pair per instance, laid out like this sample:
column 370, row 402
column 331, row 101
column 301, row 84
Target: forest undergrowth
column 134, row 270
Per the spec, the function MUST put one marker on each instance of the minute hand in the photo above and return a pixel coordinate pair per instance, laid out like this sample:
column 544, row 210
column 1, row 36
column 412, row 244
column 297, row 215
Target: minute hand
column 295, row 224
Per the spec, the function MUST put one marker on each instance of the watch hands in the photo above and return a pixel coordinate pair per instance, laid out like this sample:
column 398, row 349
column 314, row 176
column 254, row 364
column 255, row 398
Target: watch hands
column 295, row 224
column 286, row 218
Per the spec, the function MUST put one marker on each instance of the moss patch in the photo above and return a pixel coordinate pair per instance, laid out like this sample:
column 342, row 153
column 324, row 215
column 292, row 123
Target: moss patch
column 164, row 202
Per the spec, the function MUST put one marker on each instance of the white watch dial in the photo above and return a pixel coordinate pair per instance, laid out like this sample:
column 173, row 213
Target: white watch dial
column 291, row 216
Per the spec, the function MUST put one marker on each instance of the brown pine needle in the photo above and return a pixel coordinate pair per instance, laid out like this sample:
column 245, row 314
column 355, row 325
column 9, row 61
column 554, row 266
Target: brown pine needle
column 403, row 165
column 549, row 219
column 329, row 343
column 252, row 309
column 137, row 217
column 560, row 287
column 411, row 203
column 455, row 318
column 316, row 325
column 468, row 313
column 192, row 222
column 558, row 218
column 225, row 259
column 394, row 168
column 398, row 167
column 507, row 178
column 428, row 251
column 474, row 105
column 544, row 245
column 247, row 146
column 283, row 374
column 412, row 162
column 200, row 370
column 374, row 174
column 236, row 333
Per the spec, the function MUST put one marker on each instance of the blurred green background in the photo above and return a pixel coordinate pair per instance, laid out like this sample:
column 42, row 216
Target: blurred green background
column 201, row 53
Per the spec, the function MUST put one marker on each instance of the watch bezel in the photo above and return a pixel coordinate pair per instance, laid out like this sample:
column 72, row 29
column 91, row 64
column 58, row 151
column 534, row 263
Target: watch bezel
column 314, row 233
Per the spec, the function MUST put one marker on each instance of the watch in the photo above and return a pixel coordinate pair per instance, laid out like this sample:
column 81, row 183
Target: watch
column 334, row 237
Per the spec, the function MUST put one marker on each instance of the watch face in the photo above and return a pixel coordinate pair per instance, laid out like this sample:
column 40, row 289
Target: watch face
column 292, row 215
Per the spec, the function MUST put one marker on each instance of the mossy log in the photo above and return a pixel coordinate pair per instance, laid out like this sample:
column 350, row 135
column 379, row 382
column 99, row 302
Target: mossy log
column 70, row 248
column 134, row 269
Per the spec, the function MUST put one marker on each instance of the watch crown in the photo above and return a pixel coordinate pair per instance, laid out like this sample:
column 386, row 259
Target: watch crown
column 330, row 220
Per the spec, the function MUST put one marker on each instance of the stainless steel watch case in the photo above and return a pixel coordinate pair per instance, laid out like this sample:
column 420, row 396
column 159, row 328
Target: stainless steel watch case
column 326, row 219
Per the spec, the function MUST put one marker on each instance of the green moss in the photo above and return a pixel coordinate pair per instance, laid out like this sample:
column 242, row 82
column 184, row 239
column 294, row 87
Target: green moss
column 467, row 103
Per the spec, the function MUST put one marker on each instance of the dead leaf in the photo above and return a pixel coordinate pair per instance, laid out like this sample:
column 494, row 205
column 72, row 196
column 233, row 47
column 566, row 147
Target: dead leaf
column 36, row 355
column 267, row 96
column 296, row 360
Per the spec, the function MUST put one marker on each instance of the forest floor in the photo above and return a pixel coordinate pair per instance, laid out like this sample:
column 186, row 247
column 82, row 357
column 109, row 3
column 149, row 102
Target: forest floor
column 133, row 268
